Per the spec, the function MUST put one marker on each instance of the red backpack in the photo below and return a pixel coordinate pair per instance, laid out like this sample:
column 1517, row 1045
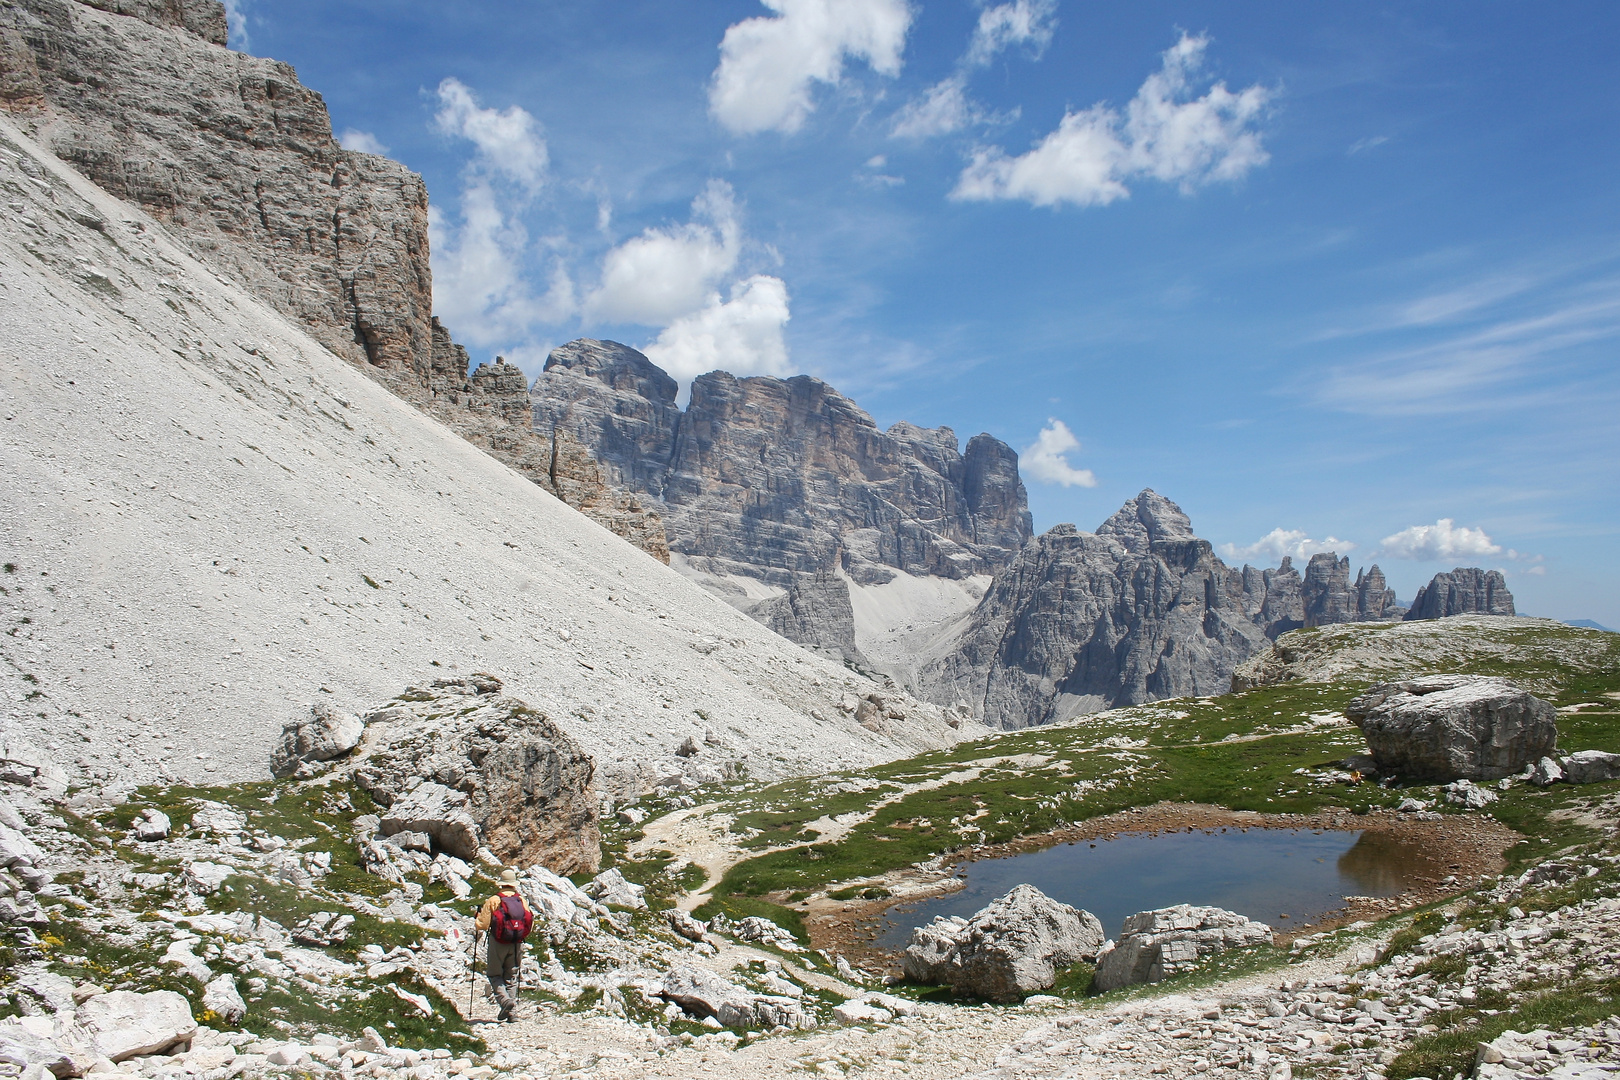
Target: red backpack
column 512, row 920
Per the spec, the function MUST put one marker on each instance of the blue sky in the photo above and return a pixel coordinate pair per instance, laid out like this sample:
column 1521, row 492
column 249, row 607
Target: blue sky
column 1323, row 274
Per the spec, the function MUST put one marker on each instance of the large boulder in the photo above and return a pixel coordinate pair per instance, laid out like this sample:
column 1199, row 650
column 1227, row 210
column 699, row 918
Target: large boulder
column 124, row 1024
column 931, row 949
column 1156, row 944
column 324, row 735
column 1454, row 727
column 472, row 768
column 1590, row 767
column 702, row 992
column 612, row 890
column 1013, row 947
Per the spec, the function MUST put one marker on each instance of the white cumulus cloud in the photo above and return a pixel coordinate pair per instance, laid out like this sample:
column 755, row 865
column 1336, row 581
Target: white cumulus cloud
column 1047, row 458
column 1024, row 22
column 1280, row 542
column 508, row 141
column 1164, row 133
column 742, row 335
column 1442, row 541
column 768, row 65
column 236, row 30
column 666, row 273
column 479, row 288
column 363, row 142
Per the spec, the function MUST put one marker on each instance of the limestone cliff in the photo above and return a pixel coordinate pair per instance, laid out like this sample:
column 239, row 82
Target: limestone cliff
column 1328, row 596
column 1140, row 610
column 238, row 159
column 1464, row 591
column 786, row 482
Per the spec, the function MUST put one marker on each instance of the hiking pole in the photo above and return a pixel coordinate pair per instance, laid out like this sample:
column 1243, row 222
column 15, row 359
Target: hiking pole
column 517, row 994
column 472, row 983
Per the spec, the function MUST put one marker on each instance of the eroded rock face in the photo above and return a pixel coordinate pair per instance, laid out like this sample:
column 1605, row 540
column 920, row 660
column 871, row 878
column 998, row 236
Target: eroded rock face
column 472, row 769
column 1137, row 611
column 1329, row 597
column 1013, row 947
column 238, row 158
column 1156, row 944
column 1464, row 591
column 1455, row 727
column 786, row 480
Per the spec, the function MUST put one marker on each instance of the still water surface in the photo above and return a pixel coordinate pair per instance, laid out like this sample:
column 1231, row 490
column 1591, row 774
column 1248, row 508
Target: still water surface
column 1262, row 873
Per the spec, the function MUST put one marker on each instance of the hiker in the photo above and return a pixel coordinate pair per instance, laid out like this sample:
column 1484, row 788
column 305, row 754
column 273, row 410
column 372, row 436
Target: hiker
column 506, row 919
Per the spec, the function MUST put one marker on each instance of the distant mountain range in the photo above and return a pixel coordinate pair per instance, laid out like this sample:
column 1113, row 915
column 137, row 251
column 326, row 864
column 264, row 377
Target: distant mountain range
column 1590, row 625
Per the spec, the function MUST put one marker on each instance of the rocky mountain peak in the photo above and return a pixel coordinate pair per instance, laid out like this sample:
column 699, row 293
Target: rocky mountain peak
column 617, row 366
column 1146, row 520
column 1467, row 590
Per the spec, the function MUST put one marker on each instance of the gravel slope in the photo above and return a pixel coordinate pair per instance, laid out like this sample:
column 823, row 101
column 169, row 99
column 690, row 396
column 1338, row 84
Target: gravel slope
column 209, row 522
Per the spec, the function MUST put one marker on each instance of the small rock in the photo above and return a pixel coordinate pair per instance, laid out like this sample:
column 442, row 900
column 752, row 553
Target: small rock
column 152, row 825
column 612, row 890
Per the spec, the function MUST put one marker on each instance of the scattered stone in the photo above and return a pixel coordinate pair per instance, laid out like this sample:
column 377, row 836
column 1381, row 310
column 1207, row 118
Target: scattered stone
column 1590, row 767
column 152, row 825
column 612, row 890
column 221, row 997
column 686, row 926
column 205, row 878
column 703, row 993
column 323, row 928
column 1469, row 795
column 1452, row 727
column 855, row 1012
column 1156, row 944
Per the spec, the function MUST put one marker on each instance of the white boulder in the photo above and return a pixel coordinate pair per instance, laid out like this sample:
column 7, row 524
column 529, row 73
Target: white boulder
column 123, row 1024
column 324, row 735
column 1154, row 945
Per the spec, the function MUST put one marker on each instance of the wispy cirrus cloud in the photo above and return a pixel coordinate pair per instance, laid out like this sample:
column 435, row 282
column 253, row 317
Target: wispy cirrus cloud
column 946, row 107
column 1529, row 352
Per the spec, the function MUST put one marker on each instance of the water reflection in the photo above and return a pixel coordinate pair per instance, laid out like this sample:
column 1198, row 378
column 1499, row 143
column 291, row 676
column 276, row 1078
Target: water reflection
column 1380, row 864
column 1280, row 876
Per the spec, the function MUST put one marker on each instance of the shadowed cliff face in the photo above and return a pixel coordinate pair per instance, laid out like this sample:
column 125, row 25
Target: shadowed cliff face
column 1138, row 611
column 773, row 478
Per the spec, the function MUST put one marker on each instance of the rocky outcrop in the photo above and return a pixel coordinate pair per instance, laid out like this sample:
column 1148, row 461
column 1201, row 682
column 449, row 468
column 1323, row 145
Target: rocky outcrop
column 124, row 1024
column 325, row 735
column 786, row 481
column 1153, row 945
column 1454, row 727
column 1137, row 611
column 1329, row 598
column 471, row 769
column 1464, row 591
column 238, row 158
column 815, row 611
column 1011, row 948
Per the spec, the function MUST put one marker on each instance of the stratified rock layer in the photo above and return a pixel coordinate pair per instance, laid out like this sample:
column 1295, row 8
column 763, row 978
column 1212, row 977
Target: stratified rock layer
column 1454, row 727
column 1464, row 591
column 1137, row 611
column 1328, row 597
column 776, row 478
